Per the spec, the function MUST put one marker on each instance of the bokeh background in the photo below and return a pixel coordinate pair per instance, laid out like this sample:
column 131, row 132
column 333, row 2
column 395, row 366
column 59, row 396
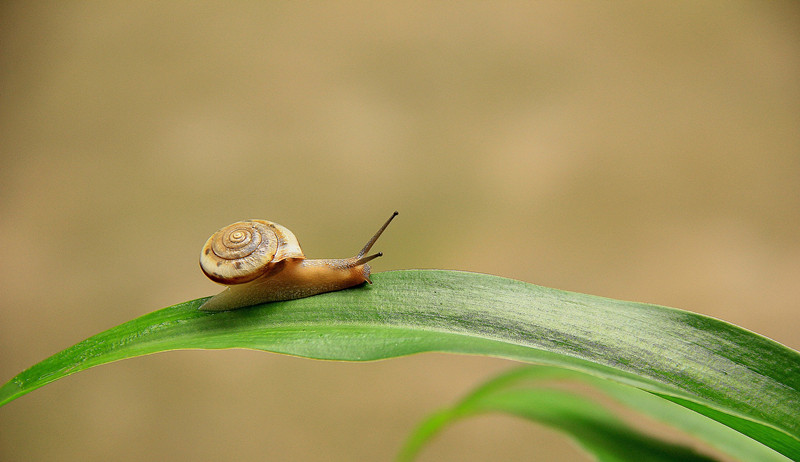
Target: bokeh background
column 634, row 150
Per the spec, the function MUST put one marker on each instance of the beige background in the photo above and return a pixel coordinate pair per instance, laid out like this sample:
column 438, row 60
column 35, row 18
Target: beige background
column 627, row 149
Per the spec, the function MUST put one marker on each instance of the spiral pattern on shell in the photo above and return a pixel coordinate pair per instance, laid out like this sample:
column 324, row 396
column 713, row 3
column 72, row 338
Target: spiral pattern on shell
column 240, row 252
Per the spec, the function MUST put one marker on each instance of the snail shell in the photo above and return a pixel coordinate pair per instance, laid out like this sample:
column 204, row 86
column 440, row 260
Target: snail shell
column 246, row 250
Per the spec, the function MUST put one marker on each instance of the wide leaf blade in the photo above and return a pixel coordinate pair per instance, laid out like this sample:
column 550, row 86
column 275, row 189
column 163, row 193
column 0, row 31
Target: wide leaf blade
column 746, row 381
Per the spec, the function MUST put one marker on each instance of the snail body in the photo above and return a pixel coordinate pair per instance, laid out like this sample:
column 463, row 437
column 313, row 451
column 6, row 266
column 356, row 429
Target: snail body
column 261, row 261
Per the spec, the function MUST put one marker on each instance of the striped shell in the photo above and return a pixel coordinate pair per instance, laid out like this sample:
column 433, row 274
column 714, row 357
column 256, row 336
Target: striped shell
column 245, row 250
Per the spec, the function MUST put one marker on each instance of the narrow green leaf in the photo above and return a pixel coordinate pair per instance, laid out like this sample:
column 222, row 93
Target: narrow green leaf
column 598, row 431
column 520, row 392
column 746, row 381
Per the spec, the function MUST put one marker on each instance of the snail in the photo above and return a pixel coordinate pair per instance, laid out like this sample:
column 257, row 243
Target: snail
column 261, row 261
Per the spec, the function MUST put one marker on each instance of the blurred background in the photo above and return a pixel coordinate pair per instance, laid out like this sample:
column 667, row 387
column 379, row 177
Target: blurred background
column 634, row 150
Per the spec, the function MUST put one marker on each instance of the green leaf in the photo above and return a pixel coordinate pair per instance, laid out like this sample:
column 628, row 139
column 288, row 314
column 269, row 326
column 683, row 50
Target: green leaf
column 521, row 392
column 741, row 379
